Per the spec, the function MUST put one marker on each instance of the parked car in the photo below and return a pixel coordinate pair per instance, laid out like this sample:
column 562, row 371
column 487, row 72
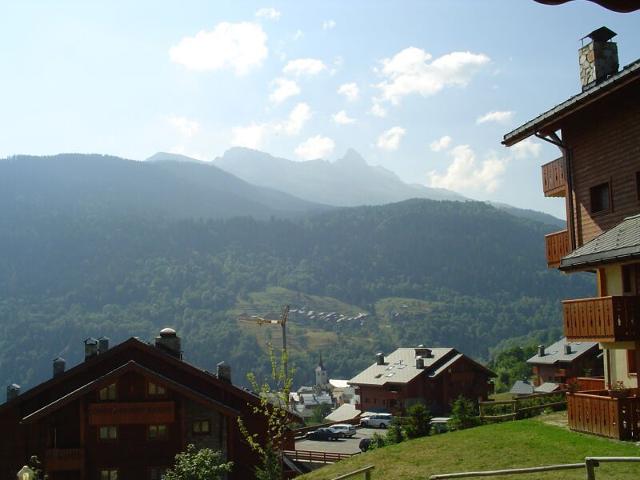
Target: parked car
column 343, row 430
column 322, row 434
column 379, row 420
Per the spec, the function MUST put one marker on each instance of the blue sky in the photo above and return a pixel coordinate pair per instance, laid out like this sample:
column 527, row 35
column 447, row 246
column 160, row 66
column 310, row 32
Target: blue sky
column 423, row 88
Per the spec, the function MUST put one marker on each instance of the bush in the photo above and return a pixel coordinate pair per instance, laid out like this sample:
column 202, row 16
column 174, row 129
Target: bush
column 376, row 441
column 394, row 433
column 193, row 464
column 463, row 414
column 417, row 421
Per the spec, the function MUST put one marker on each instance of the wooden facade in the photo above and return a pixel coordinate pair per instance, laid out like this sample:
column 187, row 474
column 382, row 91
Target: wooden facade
column 130, row 410
column 602, row 319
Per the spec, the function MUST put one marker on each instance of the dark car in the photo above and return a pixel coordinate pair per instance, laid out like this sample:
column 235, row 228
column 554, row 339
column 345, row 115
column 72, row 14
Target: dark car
column 322, row 434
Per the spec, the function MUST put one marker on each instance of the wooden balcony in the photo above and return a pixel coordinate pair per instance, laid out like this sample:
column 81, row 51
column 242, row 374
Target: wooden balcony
column 557, row 246
column 554, row 182
column 602, row 319
column 590, row 383
column 64, row 459
column 600, row 414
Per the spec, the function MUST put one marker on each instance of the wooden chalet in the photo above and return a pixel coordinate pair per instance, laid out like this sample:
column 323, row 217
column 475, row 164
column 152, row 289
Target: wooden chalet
column 125, row 412
column 598, row 173
column 433, row 376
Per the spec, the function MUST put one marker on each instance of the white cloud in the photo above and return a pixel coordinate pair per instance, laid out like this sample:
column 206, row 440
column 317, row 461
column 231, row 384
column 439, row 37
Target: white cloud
column 526, row 149
column 466, row 173
column 297, row 119
column 186, row 127
column 315, row 147
column 304, row 66
column 412, row 71
column 498, row 117
column 441, row 144
column 341, row 118
column 349, row 90
column 237, row 46
column 328, row 24
column 268, row 13
column 298, row 35
column 255, row 134
column 251, row 136
column 284, row 88
column 377, row 110
column 390, row 140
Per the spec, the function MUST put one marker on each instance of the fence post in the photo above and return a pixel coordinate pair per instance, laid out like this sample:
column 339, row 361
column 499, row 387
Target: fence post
column 591, row 465
column 367, row 475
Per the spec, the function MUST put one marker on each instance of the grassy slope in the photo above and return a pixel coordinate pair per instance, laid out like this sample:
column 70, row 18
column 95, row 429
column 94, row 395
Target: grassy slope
column 507, row 445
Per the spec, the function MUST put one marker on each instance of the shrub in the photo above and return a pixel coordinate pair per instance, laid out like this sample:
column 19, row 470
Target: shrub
column 463, row 414
column 394, row 433
column 417, row 421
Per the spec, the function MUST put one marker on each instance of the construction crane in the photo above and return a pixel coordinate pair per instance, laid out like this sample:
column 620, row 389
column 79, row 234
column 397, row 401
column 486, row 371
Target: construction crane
column 282, row 321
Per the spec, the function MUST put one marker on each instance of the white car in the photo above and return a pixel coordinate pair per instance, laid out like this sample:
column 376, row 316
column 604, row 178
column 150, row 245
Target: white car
column 379, row 420
column 343, row 430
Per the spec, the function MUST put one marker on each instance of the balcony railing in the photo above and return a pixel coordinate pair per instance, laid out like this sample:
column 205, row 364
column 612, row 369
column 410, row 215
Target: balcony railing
column 554, row 182
column 557, row 246
column 602, row 319
column 600, row 414
column 61, row 459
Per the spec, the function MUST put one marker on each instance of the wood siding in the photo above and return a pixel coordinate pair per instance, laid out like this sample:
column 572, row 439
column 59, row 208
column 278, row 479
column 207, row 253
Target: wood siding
column 554, row 181
column 557, row 245
column 599, row 414
column 604, row 141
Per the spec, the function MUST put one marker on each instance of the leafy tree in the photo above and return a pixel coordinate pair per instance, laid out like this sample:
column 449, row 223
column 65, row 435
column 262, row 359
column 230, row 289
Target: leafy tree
column 418, row 421
column 272, row 405
column 320, row 412
column 463, row 414
column 194, row 464
column 511, row 365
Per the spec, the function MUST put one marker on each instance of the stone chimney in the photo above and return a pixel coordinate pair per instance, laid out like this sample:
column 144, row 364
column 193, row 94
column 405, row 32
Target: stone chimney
column 541, row 351
column 59, row 366
column 598, row 59
column 103, row 344
column 380, row 358
column 169, row 342
column 13, row 391
column 223, row 371
column 90, row 348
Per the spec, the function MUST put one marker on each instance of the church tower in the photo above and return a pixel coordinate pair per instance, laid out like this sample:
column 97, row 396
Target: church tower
column 322, row 378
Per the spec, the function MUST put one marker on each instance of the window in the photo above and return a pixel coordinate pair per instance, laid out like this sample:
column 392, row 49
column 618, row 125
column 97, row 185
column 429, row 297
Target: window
column 600, row 198
column 631, row 362
column 154, row 389
column 109, row 474
column 201, row 427
column 108, row 432
column 157, row 432
column 156, row 473
column 107, row 393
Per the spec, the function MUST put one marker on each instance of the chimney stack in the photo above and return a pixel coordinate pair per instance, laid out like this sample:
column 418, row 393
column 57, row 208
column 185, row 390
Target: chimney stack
column 598, row 59
column 169, row 342
column 59, row 366
column 380, row 358
column 223, row 372
column 13, row 391
column 103, row 344
column 90, row 348
column 567, row 349
column 541, row 351
column 420, row 363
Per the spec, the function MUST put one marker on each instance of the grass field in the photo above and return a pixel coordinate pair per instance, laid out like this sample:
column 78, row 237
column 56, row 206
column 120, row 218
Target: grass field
column 507, row 445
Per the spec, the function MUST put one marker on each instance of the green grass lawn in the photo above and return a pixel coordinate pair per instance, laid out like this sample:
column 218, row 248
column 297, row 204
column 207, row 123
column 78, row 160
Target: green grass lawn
column 522, row 443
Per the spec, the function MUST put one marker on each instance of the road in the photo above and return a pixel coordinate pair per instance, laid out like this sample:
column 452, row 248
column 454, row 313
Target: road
column 344, row 445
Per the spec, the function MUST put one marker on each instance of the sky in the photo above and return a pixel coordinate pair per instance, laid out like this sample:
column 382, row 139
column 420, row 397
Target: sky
column 426, row 89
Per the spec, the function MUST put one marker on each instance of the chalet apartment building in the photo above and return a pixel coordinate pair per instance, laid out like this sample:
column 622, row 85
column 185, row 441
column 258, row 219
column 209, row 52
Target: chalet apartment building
column 433, row 376
column 598, row 173
column 124, row 413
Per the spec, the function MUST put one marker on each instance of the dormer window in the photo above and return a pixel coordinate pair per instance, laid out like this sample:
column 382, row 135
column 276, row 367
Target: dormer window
column 155, row 390
column 107, row 393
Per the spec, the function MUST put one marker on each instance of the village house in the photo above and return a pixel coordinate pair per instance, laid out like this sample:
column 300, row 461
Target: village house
column 565, row 362
column 598, row 134
column 433, row 376
column 125, row 412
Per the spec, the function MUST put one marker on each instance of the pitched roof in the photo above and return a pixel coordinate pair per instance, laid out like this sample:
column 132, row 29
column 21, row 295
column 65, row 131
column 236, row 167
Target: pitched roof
column 400, row 366
column 547, row 387
column 619, row 242
column 625, row 76
column 521, row 387
column 555, row 353
column 105, row 380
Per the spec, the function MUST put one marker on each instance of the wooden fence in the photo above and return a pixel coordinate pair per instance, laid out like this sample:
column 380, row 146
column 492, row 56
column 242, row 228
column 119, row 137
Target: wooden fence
column 520, row 407
column 366, row 470
column 312, row 456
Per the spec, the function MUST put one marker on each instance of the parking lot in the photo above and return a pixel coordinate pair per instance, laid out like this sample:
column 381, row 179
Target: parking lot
column 343, row 445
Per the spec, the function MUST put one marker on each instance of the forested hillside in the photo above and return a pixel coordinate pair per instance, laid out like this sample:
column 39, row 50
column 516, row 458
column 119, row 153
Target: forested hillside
column 440, row 273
